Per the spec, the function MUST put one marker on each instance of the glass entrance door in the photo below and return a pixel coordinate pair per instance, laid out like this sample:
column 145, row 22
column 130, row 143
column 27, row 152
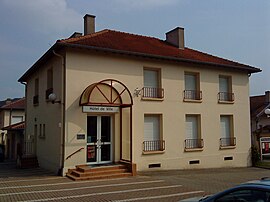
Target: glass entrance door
column 99, row 144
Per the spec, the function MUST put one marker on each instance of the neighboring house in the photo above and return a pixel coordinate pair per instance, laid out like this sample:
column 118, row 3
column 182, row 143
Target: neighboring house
column 260, row 122
column 12, row 116
column 110, row 96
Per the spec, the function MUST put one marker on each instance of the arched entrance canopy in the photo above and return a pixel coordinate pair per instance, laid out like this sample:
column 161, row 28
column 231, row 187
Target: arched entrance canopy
column 110, row 92
column 107, row 92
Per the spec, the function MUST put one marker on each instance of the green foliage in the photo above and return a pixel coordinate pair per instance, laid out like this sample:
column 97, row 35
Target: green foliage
column 255, row 155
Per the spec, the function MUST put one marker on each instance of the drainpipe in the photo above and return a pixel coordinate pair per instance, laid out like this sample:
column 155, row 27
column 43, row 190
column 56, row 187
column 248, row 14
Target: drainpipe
column 25, row 115
column 62, row 151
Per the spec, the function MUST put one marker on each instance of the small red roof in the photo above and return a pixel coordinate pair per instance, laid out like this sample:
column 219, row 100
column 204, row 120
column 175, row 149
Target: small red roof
column 18, row 104
column 121, row 41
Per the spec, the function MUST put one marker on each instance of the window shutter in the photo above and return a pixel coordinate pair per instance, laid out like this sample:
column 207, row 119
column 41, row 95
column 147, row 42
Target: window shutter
column 16, row 119
column 225, row 126
column 191, row 127
column 151, row 128
column 151, row 78
column 190, row 82
column 223, row 85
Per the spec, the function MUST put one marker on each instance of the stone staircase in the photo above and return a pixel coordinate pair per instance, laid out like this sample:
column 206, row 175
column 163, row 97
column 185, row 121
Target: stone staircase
column 87, row 172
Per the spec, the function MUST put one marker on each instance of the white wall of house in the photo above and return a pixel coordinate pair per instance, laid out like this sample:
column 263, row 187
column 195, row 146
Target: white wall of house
column 84, row 69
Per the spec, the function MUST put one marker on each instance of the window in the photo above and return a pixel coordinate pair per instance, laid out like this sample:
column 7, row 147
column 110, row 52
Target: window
column 49, row 83
column 226, row 126
column 35, row 130
column 192, row 87
column 225, row 89
column 193, row 130
column 152, row 133
column 16, row 119
column 152, row 84
column 42, row 131
column 36, row 97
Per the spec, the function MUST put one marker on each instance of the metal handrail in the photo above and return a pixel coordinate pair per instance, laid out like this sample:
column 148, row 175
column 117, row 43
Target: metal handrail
column 74, row 153
column 154, row 145
column 151, row 92
column 193, row 94
column 225, row 96
column 225, row 142
column 35, row 99
column 193, row 143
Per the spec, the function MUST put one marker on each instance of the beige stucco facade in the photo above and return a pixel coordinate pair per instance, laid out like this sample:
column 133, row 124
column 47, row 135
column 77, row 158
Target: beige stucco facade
column 78, row 69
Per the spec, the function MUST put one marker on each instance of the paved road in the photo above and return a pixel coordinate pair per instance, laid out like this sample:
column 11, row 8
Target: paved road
column 40, row 185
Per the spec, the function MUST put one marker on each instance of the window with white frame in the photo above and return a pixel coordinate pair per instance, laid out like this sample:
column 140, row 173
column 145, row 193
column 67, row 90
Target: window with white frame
column 152, row 83
column 16, row 119
column 225, row 89
column 152, row 133
column 192, row 87
column 226, row 126
column 193, row 136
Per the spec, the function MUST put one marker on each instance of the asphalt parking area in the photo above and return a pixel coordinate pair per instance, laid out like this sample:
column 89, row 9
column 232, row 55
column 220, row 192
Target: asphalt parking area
column 40, row 185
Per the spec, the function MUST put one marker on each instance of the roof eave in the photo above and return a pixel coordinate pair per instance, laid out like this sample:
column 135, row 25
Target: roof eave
column 58, row 44
column 248, row 69
column 37, row 63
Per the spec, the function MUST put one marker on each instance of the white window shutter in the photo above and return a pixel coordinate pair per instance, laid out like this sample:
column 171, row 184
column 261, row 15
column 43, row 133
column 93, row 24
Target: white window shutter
column 223, row 85
column 191, row 127
column 150, row 78
column 151, row 128
column 16, row 119
column 190, row 82
column 225, row 126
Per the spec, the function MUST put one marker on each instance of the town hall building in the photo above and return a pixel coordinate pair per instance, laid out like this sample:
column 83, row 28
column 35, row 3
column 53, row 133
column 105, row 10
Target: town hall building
column 106, row 97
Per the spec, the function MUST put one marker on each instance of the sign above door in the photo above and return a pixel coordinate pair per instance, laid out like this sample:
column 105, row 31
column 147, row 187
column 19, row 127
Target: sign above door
column 100, row 109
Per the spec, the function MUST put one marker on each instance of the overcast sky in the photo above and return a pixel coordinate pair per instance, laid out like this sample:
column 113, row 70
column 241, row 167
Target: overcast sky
column 238, row 30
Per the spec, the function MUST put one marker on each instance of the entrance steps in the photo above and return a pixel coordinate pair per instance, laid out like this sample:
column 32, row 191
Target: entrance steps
column 86, row 172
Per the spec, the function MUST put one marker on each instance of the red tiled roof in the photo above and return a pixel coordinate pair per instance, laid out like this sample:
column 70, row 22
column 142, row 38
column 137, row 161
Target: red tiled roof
column 257, row 104
column 121, row 41
column 18, row 104
column 16, row 126
column 137, row 45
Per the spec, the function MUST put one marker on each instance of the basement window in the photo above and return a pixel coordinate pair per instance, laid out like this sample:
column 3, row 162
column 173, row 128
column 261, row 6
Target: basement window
column 154, row 165
column 228, row 158
column 194, row 162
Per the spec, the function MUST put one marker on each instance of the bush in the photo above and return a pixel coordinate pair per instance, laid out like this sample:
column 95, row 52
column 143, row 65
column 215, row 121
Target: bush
column 255, row 155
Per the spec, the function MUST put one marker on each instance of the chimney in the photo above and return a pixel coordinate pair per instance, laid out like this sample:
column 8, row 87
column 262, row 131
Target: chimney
column 176, row 37
column 267, row 96
column 89, row 24
column 8, row 101
column 75, row 35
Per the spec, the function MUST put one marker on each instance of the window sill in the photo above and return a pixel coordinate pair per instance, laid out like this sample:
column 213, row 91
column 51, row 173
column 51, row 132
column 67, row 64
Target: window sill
column 152, row 99
column 193, row 149
column 225, row 102
column 193, row 101
column 153, row 152
column 227, row 147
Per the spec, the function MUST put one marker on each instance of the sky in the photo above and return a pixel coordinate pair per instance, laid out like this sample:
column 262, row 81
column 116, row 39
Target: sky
column 237, row 30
